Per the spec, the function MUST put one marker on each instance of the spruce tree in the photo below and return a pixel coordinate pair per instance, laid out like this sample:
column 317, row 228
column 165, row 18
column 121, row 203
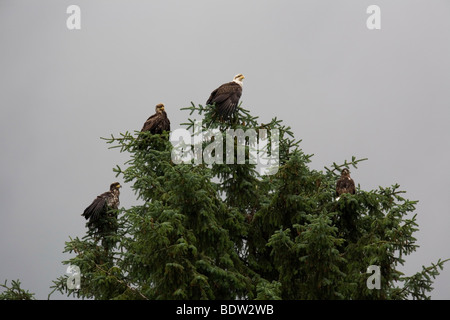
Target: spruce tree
column 15, row 292
column 225, row 231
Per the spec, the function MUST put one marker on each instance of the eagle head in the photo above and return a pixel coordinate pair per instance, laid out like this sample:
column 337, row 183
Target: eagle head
column 345, row 172
column 159, row 108
column 238, row 78
column 115, row 186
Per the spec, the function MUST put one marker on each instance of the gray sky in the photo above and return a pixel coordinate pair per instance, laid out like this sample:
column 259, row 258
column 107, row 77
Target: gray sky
column 345, row 91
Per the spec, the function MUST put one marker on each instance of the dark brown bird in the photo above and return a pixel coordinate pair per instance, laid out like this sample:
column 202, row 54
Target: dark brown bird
column 345, row 184
column 102, row 204
column 226, row 97
column 157, row 123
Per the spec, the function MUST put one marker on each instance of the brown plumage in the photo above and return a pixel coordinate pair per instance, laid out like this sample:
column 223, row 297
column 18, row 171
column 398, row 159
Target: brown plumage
column 157, row 123
column 226, row 97
column 104, row 202
column 345, row 184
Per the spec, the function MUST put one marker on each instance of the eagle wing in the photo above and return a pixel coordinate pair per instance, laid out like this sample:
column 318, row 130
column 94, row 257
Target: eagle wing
column 226, row 97
column 157, row 123
column 97, row 208
column 211, row 99
column 345, row 185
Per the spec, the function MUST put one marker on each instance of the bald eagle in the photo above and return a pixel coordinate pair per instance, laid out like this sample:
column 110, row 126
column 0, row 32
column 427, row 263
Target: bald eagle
column 226, row 98
column 99, row 208
column 345, row 184
column 158, row 122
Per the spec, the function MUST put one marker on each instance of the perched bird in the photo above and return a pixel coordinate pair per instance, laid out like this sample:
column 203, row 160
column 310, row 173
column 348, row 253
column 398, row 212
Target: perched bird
column 102, row 204
column 226, row 97
column 158, row 122
column 348, row 219
column 345, row 184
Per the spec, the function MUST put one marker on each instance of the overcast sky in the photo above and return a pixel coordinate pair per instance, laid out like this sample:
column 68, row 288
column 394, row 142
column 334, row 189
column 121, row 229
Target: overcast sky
column 344, row 89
